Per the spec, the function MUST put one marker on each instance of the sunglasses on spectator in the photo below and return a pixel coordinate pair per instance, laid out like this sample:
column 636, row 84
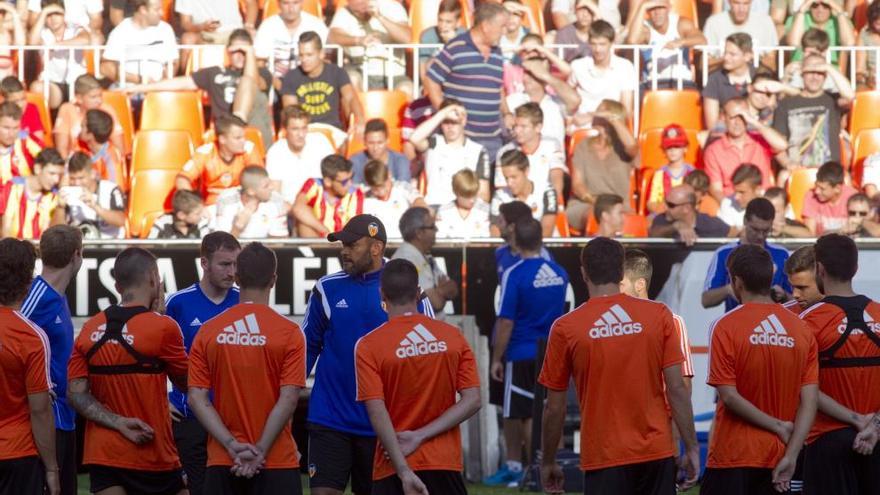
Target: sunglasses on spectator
column 857, row 213
column 670, row 205
column 343, row 182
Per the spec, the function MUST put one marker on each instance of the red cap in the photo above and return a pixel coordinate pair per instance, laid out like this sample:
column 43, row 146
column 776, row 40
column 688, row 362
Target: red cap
column 674, row 137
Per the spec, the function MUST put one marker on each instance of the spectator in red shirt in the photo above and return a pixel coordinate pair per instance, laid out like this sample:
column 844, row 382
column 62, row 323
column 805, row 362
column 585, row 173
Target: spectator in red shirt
column 12, row 90
column 825, row 209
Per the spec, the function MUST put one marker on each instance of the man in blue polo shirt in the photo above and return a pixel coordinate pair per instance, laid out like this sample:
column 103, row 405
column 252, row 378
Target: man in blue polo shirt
column 191, row 307
column 46, row 306
column 506, row 255
column 757, row 225
column 532, row 298
column 343, row 307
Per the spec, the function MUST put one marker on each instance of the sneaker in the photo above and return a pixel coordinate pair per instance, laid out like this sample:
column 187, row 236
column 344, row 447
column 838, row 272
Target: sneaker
column 517, row 479
column 502, row 477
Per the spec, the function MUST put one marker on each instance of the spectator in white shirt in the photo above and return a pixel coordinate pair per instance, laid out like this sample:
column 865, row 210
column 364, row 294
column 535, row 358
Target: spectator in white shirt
column 448, row 152
column 212, row 21
column 386, row 198
column 93, row 205
column 746, row 187
column 468, row 215
column 602, row 76
column 145, row 42
column 60, row 70
column 541, row 201
column 87, row 14
column 252, row 210
column 296, row 158
column 278, row 37
column 546, row 159
column 12, row 32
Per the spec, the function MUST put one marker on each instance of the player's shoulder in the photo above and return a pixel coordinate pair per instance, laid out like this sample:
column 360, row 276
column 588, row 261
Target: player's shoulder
column 333, row 280
column 40, row 295
column 204, row 151
column 777, row 249
column 726, row 249
column 182, row 296
column 25, row 331
column 820, row 311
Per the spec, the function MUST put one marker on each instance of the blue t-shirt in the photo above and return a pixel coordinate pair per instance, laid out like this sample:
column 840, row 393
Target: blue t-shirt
column 191, row 308
column 48, row 309
column 504, row 258
column 533, row 297
column 718, row 276
column 398, row 166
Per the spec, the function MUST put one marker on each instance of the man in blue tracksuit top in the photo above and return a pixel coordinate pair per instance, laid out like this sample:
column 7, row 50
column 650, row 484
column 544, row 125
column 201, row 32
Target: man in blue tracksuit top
column 46, row 306
column 190, row 308
column 505, row 255
column 344, row 307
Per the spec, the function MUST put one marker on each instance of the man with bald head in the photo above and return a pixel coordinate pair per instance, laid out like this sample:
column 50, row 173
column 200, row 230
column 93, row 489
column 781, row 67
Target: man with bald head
column 683, row 222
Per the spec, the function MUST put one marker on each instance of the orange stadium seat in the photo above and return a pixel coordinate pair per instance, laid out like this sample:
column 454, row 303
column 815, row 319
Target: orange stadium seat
column 147, row 222
column 646, row 175
column 864, row 114
column 40, row 102
column 866, row 143
column 666, row 106
column 535, row 21
column 652, row 155
column 167, row 10
column 387, row 105
column 121, row 105
column 635, row 225
column 161, row 150
column 576, row 137
column 799, row 185
column 685, row 8
column 174, row 110
column 562, row 227
column 423, row 14
column 150, row 192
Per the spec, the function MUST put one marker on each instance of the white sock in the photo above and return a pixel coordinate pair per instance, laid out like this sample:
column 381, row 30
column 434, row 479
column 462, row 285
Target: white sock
column 514, row 466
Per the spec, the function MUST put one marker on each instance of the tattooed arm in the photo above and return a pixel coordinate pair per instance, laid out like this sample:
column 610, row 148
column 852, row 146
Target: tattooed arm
column 84, row 402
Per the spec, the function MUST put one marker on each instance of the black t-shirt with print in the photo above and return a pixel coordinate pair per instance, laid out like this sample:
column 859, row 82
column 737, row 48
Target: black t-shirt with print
column 319, row 96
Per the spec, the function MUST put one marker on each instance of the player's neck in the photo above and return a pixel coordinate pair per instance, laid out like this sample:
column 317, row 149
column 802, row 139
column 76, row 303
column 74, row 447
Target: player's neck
column 256, row 296
column 602, row 289
column 137, row 297
column 58, row 278
column 394, row 310
column 530, row 254
column 838, row 288
column 211, row 291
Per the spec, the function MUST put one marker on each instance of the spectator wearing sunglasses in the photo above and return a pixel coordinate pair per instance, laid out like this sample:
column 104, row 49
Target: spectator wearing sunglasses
column 683, row 222
column 861, row 219
column 327, row 203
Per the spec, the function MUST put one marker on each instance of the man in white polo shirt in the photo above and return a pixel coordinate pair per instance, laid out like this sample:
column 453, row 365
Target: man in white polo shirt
column 296, row 158
column 278, row 36
column 145, row 42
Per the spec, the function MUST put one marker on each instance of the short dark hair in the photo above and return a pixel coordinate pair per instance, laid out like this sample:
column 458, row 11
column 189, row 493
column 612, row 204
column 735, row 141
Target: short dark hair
column 333, row 164
column 255, row 266
column 776, row 192
column 637, row 264
column 311, row 37
column 830, row 173
column 602, row 259
column 376, row 173
column 49, row 156
column 185, row 201
column 400, row 282
column 839, row 256
column 449, row 6
column 376, row 125
column 802, row 260
column 240, row 34
column 85, row 83
column 294, row 112
column 527, row 234
column 132, row 266
column 17, row 260
column 602, row 29
column 486, row 11
column 217, row 241
column 747, row 172
column 760, row 208
column 753, row 265
column 515, row 210
column 764, row 75
column 9, row 85
column 531, row 111
column 58, row 244
column 78, row 162
column 11, row 110
column 514, row 158
column 741, row 40
column 698, row 180
column 224, row 123
column 46, row 3
column 873, row 12
column 99, row 124
column 448, row 102
column 605, row 203
column 858, row 198
column 815, row 38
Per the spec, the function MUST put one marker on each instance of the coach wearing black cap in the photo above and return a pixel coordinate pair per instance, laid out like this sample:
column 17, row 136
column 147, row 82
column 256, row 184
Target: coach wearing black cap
column 343, row 307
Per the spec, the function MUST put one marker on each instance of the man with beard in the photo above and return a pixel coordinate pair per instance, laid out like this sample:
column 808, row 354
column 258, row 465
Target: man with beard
column 343, row 307
column 191, row 307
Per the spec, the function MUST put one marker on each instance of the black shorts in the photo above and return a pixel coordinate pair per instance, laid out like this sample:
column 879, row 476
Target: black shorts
column 832, row 466
column 738, row 481
column 442, row 482
column 192, row 446
column 22, row 476
column 219, row 480
column 336, row 456
column 65, row 453
column 645, row 478
column 136, row 482
column 519, row 389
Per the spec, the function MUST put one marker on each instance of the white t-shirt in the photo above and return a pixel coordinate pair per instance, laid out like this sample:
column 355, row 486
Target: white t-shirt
column 450, row 223
column 146, row 50
column 759, row 26
column 270, row 219
column 402, row 196
column 76, row 12
column 109, row 197
column 595, row 85
column 731, row 212
column 59, row 66
column 554, row 117
column 541, row 201
column 379, row 63
column 442, row 161
column 871, row 173
column 274, row 37
column 549, row 156
column 608, row 9
column 225, row 11
column 294, row 170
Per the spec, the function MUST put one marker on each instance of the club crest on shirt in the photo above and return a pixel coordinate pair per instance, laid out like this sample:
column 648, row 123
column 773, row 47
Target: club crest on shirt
column 226, row 179
column 312, row 470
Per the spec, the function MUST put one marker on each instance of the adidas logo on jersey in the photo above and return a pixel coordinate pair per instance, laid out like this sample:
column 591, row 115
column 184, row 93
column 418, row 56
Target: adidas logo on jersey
column 546, row 277
column 195, row 322
column 58, row 319
column 771, row 332
column 97, row 334
column 614, row 323
column 242, row 332
column 869, row 322
column 342, row 304
column 419, row 342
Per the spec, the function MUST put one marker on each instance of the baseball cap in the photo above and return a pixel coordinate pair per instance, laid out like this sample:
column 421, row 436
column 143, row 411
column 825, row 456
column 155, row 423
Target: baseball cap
column 673, row 137
column 360, row 226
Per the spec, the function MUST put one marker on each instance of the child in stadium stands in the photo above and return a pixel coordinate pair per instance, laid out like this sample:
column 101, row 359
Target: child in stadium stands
column 216, row 167
column 514, row 30
column 29, row 462
column 699, row 182
column 608, row 213
column 603, row 163
column 422, row 439
column 764, row 366
column 507, row 255
column 746, row 187
column 376, row 148
column 448, row 152
column 546, row 156
column 60, row 69
column 784, row 227
column 467, row 215
column 730, row 81
column 87, row 95
column 758, row 223
column 861, row 218
column 94, row 140
column 542, row 202
column 251, row 447
column 12, row 32
column 278, row 35
column 682, row 219
column 95, row 206
column 17, row 152
column 840, row 456
column 825, row 207
column 680, row 35
column 388, row 199
column 187, row 220
column 296, row 158
column 532, row 297
column 800, row 268
column 448, row 26
column 12, row 90
column 325, row 204
column 29, row 205
column 611, row 336
column 252, row 210
column 120, row 389
column 674, row 142
column 148, row 45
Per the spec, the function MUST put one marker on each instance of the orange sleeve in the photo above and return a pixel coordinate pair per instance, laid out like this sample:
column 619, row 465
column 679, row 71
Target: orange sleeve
column 671, row 339
column 557, row 362
column 467, row 376
column 293, row 370
column 199, row 372
column 811, row 370
column 369, row 382
column 194, row 168
column 37, row 364
column 722, row 365
column 77, row 367
column 172, row 352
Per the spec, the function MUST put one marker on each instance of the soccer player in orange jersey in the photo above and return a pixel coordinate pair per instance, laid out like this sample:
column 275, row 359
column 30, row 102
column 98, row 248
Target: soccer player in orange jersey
column 408, row 373
column 117, row 375
column 762, row 362
column 840, row 456
column 27, row 425
column 622, row 353
column 801, row 270
column 29, row 205
column 249, row 347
